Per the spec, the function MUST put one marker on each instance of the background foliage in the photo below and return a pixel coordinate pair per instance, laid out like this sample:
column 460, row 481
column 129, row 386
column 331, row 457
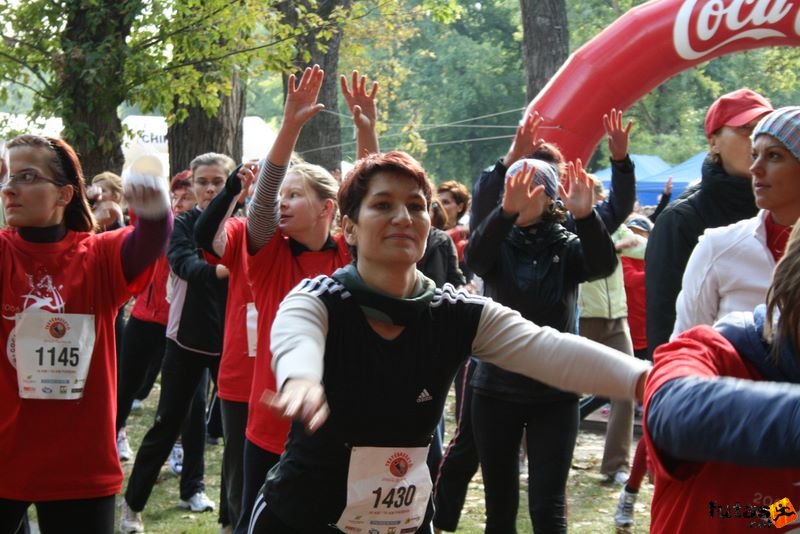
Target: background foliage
column 451, row 73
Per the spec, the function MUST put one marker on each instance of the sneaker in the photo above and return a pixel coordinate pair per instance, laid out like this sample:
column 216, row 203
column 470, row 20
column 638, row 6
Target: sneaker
column 123, row 446
column 130, row 521
column 623, row 517
column 619, row 478
column 137, row 405
column 199, row 502
column 176, row 459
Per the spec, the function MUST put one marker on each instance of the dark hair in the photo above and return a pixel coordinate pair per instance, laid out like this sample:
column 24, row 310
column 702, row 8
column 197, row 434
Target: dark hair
column 550, row 153
column 182, row 180
column 356, row 183
column 460, row 194
column 439, row 217
column 67, row 170
column 783, row 297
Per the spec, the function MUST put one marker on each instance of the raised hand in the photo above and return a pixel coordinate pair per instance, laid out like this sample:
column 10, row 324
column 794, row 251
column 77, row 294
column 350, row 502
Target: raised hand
column 668, row 186
column 518, row 194
column 579, row 198
column 617, row 135
column 525, row 140
column 247, row 175
column 301, row 101
column 300, row 399
column 365, row 112
column 360, row 102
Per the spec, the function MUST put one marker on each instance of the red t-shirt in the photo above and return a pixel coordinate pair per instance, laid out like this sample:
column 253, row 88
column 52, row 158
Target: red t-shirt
column 633, row 272
column 151, row 304
column 684, row 491
column 62, row 449
column 274, row 271
column 236, row 367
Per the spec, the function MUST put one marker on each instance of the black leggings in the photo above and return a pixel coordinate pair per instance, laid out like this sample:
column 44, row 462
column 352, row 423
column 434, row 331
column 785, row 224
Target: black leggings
column 552, row 428
column 143, row 344
column 256, row 464
column 56, row 517
column 460, row 461
column 183, row 387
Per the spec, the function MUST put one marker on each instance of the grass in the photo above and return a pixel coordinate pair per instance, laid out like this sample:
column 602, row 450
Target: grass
column 591, row 504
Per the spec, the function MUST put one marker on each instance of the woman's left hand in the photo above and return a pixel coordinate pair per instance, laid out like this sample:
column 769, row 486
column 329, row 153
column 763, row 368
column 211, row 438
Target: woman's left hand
column 302, row 400
column 579, row 199
column 360, row 102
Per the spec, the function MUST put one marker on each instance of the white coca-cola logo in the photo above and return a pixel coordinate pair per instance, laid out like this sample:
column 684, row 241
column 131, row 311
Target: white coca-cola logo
column 720, row 17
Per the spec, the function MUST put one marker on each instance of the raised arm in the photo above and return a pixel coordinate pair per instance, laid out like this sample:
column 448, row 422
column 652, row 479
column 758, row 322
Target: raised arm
column 663, row 200
column 209, row 231
column 147, row 197
column 301, row 105
column 619, row 204
column 484, row 243
column 365, row 113
column 525, row 139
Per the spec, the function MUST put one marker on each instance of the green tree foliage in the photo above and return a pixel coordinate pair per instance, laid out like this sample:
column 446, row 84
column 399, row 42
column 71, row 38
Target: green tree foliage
column 81, row 59
column 465, row 67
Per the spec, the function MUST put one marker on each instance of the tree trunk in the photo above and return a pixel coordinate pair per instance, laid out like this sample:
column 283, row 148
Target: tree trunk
column 201, row 133
column 545, row 41
column 91, row 74
column 323, row 130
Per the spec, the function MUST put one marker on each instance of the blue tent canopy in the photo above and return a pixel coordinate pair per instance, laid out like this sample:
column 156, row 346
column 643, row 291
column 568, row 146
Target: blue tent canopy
column 649, row 186
column 645, row 166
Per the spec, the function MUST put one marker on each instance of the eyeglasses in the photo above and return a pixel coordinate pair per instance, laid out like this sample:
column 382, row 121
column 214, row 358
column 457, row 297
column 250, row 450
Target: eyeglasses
column 26, row 178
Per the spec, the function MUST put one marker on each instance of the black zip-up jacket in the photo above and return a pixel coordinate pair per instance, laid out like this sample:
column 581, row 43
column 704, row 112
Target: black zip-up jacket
column 534, row 270
column 720, row 200
column 203, row 312
column 440, row 262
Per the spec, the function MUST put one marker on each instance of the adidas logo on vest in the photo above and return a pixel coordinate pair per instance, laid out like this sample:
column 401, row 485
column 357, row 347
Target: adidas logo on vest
column 424, row 396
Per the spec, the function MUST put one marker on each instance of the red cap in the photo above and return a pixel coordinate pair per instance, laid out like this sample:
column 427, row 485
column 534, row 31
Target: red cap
column 736, row 109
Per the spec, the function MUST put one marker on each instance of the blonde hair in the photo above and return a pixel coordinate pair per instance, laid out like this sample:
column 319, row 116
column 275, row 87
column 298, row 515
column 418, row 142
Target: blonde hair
column 114, row 181
column 318, row 179
column 783, row 297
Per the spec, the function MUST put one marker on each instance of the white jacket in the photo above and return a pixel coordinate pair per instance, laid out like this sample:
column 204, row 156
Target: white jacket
column 730, row 269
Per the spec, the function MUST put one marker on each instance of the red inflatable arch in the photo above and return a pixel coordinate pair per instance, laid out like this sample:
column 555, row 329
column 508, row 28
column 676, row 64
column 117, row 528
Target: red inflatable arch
column 643, row 48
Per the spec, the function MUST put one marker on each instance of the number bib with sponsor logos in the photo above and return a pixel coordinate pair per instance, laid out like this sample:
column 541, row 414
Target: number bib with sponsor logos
column 387, row 490
column 53, row 352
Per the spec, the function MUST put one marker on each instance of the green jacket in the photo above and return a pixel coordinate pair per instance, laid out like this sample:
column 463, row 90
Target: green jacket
column 605, row 298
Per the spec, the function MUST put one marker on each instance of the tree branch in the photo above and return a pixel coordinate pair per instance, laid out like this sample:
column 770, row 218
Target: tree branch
column 24, row 65
column 191, row 26
column 26, row 86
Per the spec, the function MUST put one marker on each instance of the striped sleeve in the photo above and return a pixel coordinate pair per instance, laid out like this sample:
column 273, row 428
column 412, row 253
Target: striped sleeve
column 262, row 215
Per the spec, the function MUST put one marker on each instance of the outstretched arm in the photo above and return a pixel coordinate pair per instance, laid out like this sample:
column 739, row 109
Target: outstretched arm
column 301, row 105
column 365, row 113
column 147, row 197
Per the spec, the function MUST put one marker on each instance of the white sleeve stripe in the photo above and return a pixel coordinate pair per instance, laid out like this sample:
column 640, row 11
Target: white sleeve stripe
column 320, row 285
column 448, row 293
